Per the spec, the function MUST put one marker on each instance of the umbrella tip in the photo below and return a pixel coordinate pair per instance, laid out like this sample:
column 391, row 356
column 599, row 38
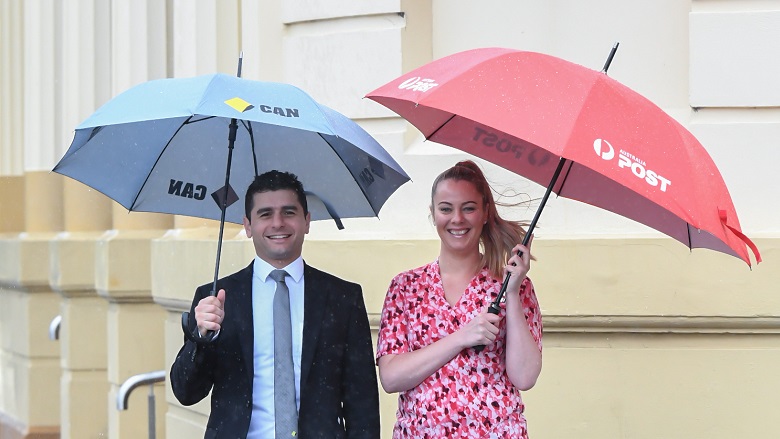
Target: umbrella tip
column 609, row 58
column 240, row 61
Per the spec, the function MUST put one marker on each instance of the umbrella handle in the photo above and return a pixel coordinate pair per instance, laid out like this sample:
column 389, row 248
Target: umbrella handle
column 193, row 334
column 495, row 306
column 492, row 309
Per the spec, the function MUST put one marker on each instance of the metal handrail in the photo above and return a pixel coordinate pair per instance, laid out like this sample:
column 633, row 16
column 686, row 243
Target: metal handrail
column 54, row 328
column 134, row 381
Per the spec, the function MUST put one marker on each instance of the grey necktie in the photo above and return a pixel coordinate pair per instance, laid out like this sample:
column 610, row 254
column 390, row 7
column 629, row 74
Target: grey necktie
column 285, row 410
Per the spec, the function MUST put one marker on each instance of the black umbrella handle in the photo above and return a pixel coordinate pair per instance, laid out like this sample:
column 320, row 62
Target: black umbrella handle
column 495, row 306
column 192, row 333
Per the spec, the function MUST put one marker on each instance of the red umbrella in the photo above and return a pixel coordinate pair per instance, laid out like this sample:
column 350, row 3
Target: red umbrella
column 580, row 133
column 577, row 131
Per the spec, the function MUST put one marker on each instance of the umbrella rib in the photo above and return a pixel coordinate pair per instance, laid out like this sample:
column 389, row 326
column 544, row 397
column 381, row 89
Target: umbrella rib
column 429, row 137
column 565, row 176
column 690, row 241
column 140, row 189
column 248, row 126
column 188, row 121
column 94, row 132
column 329, row 209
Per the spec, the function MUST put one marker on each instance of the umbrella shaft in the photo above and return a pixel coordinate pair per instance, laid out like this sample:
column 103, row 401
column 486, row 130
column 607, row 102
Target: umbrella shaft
column 532, row 226
column 495, row 306
column 223, row 207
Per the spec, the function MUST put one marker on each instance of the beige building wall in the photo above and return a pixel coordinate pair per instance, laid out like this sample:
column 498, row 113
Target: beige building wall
column 643, row 337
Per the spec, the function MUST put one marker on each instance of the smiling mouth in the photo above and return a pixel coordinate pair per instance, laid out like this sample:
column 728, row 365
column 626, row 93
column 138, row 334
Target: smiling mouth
column 458, row 232
column 272, row 237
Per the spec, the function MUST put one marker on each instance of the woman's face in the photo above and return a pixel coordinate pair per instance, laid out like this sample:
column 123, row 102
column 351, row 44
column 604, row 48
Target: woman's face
column 459, row 215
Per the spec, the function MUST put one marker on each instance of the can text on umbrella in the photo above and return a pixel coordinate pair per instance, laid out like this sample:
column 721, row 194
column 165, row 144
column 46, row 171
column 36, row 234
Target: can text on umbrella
column 187, row 190
column 286, row 112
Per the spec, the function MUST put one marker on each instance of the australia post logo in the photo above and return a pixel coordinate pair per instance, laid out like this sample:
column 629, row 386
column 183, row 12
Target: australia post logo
column 631, row 163
column 417, row 83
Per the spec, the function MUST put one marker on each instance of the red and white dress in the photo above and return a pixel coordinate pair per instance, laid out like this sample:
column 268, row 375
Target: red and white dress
column 470, row 396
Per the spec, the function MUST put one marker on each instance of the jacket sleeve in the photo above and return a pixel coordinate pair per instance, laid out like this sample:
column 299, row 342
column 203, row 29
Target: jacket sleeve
column 361, row 392
column 192, row 374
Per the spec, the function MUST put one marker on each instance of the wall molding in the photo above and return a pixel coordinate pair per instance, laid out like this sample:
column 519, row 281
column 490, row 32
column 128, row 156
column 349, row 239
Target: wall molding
column 651, row 324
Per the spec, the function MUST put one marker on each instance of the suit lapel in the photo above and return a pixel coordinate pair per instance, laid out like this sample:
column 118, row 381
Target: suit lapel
column 242, row 307
column 315, row 299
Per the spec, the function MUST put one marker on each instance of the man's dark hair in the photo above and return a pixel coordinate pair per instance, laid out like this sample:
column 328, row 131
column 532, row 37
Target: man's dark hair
column 274, row 181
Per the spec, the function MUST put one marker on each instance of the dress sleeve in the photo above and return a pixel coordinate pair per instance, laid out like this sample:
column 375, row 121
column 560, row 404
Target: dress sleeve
column 393, row 325
column 533, row 315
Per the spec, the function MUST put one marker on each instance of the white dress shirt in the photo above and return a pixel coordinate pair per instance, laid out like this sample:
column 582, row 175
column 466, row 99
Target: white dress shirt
column 261, row 425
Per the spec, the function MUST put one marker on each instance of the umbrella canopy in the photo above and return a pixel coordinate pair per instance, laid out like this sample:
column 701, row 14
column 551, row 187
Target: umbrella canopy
column 162, row 146
column 577, row 131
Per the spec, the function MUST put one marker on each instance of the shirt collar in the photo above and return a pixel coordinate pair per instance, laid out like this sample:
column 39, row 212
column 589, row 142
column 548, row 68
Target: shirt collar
column 295, row 269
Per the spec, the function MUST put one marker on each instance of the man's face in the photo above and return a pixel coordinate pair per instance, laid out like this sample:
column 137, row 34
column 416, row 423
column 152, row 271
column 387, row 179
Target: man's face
column 277, row 226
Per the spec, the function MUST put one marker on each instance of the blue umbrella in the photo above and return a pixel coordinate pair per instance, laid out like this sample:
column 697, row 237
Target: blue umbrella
column 168, row 146
column 161, row 147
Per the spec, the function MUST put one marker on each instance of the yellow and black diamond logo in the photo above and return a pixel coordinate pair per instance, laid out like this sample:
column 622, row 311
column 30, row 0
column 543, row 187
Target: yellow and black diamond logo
column 239, row 104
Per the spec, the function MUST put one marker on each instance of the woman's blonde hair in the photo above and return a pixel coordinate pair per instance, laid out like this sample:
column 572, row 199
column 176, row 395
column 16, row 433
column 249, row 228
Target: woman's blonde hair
column 499, row 235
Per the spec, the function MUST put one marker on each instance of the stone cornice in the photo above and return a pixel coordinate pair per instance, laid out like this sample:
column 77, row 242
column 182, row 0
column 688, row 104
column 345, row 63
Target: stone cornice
column 613, row 323
column 651, row 324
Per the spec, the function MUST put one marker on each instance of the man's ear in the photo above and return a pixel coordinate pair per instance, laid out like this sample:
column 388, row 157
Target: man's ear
column 248, row 227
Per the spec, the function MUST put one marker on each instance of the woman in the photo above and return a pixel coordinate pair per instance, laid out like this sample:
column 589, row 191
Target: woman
column 434, row 315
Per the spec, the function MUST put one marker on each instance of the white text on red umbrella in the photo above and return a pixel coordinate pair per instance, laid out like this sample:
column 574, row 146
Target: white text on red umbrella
column 417, row 83
column 627, row 160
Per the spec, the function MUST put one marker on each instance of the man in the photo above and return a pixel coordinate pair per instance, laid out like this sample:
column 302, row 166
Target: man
column 230, row 350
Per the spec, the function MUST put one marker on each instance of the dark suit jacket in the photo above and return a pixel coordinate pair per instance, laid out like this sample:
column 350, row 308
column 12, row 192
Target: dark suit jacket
column 339, row 393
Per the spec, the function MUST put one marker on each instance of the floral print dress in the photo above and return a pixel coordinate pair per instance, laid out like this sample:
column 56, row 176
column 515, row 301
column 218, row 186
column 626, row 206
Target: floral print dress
column 470, row 396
